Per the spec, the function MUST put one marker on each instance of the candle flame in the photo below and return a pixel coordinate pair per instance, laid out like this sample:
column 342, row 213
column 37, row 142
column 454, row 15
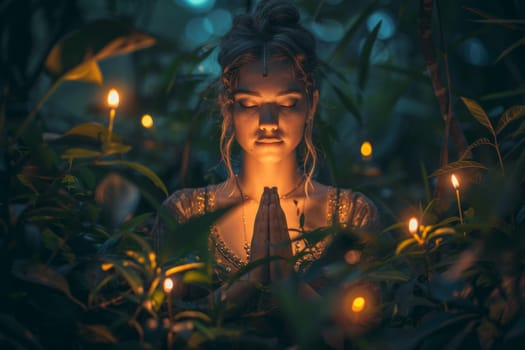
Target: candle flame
column 168, row 285
column 455, row 182
column 358, row 304
column 413, row 225
column 366, row 150
column 113, row 98
column 147, row 121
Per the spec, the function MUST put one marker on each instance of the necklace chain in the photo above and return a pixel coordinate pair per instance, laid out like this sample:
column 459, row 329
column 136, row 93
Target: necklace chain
column 246, row 245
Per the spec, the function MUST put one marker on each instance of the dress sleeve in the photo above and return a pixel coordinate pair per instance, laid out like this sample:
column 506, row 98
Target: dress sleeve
column 182, row 205
column 355, row 210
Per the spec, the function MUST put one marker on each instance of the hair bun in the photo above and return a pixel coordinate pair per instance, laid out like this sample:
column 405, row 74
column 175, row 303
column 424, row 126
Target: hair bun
column 269, row 14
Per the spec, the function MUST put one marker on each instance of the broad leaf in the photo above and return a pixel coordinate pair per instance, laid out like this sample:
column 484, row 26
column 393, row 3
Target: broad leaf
column 96, row 131
column 96, row 333
column 510, row 115
column 44, row 275
column 478, row 113
column 74, row 153
column 477, row 143
column 405, row 244
column 141, row 169
column 74, row 57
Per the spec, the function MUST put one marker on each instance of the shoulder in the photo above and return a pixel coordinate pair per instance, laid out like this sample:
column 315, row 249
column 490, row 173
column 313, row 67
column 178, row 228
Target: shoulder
column 189, row 202
column 354, row 209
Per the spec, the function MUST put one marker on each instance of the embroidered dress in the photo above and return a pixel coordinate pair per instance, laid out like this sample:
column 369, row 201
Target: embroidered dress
column 345, row 207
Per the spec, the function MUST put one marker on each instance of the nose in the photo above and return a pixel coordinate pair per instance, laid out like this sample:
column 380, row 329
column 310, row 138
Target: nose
column 268, row 117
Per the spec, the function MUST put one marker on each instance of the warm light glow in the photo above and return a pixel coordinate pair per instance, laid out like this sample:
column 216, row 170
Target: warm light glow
column 366, row 149
column 358, row 304
column 413, row 225
column 147, row 121
column 455, row 182
column 113, row 98
column 168, row 285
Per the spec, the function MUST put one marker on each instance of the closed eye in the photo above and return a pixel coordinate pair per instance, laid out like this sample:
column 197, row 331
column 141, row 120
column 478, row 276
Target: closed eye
column 288, row 103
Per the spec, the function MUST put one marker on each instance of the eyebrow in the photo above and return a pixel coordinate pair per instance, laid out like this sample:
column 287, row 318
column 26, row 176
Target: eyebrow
column 256, row 94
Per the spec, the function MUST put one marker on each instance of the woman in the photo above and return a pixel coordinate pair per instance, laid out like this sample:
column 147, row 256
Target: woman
column 268, row 101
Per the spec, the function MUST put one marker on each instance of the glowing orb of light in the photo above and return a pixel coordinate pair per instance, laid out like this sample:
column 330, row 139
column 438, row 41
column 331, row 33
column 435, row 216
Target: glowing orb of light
column 366, row 149
column 358, row 304
column 113, row 98
column 147, row 121
column 413, row 225
column 168, row 285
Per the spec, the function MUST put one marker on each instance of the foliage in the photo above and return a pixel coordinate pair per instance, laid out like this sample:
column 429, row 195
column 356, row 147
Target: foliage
column 78, row 267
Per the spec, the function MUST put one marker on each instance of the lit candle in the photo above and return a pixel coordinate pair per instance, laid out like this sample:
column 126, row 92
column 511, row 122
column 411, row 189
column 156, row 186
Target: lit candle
column 455, row 184
column 413, row 228
column 168, row 287
column 113, row 102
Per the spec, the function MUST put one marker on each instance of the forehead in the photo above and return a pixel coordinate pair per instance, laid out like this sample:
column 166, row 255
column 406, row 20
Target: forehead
column 280, row 77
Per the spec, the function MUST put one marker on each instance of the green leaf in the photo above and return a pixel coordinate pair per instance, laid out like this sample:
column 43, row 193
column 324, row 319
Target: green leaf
column 12, row 331
column 405, row 244
column 454, row 166
column 96, row 333
column 475, row 144
column 26, row 182
column 478, row 113
column 365, row 57
column 74, row 153
column 134, row 222
column 196, row 277
column 520, row 130
column 444, row 231
column 141, row 169
column 74, row 56
column 88, row 72
column 44, row 275
column 95, row 131
column 130, row 276
column 511, row 48
column 346, row 100
column 353, row 27
column 510, row 115
column 115, row 148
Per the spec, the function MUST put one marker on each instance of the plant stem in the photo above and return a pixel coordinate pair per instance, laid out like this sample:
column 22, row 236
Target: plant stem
column 29, row 118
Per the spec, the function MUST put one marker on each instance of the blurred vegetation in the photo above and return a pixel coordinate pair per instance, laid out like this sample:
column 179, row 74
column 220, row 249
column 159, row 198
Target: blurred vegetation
column 77, row 202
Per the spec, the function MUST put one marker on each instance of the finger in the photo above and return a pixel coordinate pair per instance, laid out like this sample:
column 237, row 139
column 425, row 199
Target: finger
column 279, row 239
column 260, row 238
column 260, row 241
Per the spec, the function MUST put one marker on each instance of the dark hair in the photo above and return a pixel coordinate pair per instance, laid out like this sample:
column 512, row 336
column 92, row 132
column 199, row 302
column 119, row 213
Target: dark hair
column 274, row 31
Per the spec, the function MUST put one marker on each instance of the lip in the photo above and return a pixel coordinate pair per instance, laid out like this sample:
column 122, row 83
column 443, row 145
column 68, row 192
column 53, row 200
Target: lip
column 269, row 140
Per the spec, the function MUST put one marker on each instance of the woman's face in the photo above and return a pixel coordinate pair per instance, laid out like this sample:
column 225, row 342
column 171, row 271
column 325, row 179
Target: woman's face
column 270, row 112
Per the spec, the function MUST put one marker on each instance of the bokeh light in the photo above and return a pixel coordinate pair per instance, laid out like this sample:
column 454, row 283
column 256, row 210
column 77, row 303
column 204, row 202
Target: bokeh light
column 388, row 27
column 147, row 121
column 366, row 150
column 475, row 52
column 197, row 5
column 358, row 304
column 328, row 30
